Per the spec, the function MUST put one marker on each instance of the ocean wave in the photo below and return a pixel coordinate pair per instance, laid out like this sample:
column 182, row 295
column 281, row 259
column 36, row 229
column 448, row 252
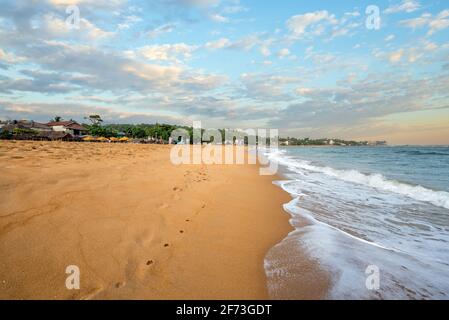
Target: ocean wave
column 422, row 153
column 377, row 181
column 293, row 208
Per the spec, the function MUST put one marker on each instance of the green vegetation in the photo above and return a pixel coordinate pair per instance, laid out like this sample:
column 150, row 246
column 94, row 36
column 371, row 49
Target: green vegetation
column 5, row 134
column 136, row 131
column 163, row 131
column 95, row 119
column 24, row 131
column 56, row 119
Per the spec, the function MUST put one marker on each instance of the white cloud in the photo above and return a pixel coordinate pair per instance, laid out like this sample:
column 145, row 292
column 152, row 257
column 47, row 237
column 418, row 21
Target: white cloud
column 423, row 50
column 283, row 53
column 300, row 24
column 303, row 91
column 198, row 3
column 156, row 32
column 353, row 14
column 267, row 86
column 435, row 24
column 128, row 22
column 218, row 44
column 390, row 38
column 396, row 56
column 95, row 3
column 10, row 58
column 53, row 26
column 167, row 52
column 246, row 43
column 218, row 18
column 405, row 6
column 265, row 51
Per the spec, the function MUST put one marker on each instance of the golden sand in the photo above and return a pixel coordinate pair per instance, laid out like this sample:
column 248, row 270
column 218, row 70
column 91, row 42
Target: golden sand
column 137, row 226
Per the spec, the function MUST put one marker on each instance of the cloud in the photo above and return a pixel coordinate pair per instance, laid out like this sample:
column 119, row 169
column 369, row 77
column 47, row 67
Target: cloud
column 358, row 102
column 120, row 62
column 245, row 43
column 353, row 13
column 98, row 69
column 434, row 23
column 10, row 58
column 167, row 52
column 45, row 111
column 423, row 50
column 313, row 22
column 389, row 38
column 218, row 18
column 405, row 6
column 39, row 81
column 218, row 44
column 128, row 22
column 265, row 51
column 269, row 87
column 396, row 56
column 95, row 3
column 53, row 26
column 158, row 31
column 283, row 53
column 233, row 8
column 195, row 3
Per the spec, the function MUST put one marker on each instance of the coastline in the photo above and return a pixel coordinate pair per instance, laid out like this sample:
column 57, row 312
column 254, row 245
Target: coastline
column 137, row 226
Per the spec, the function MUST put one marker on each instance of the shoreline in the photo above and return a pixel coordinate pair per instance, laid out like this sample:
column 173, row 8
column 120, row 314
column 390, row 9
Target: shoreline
column 137, row 226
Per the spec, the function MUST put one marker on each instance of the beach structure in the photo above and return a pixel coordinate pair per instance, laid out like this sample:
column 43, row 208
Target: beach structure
column 26, row 125
column 2, row 124
column 70, row 127
column 44, row 136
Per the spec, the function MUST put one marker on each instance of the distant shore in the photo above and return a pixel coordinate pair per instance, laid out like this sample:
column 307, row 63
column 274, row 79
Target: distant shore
column 137, row 226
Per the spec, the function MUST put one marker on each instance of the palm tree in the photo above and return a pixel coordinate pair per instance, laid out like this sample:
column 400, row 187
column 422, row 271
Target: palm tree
column 56, row 119
column 95, row 119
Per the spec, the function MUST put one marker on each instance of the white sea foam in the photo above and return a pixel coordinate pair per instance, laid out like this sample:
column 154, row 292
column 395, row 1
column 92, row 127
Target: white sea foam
column 378, row 181
column 356, row 220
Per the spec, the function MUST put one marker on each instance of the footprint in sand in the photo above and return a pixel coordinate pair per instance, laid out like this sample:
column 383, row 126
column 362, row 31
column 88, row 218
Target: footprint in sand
column 150, row 262
column 163, row 206
column 176, row 197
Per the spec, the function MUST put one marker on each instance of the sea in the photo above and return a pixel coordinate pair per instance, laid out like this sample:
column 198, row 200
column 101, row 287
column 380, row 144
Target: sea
column 377, row 221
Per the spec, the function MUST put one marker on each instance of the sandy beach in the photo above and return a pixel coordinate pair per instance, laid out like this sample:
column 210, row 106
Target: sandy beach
column 137, row 226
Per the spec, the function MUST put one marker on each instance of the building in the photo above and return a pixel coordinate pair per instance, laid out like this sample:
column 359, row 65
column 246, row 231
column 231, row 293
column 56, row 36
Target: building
column 26, row 125
column 71, row 127
column 45, row 135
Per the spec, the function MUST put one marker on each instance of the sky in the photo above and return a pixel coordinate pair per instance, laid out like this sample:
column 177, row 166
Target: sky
column 364, row 70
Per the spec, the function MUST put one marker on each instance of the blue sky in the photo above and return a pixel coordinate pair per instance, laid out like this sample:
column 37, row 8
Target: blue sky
column 308, row 68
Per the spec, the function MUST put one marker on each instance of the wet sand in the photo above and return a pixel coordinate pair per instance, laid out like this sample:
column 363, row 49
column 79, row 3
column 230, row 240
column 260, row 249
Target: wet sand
column 137, row 226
